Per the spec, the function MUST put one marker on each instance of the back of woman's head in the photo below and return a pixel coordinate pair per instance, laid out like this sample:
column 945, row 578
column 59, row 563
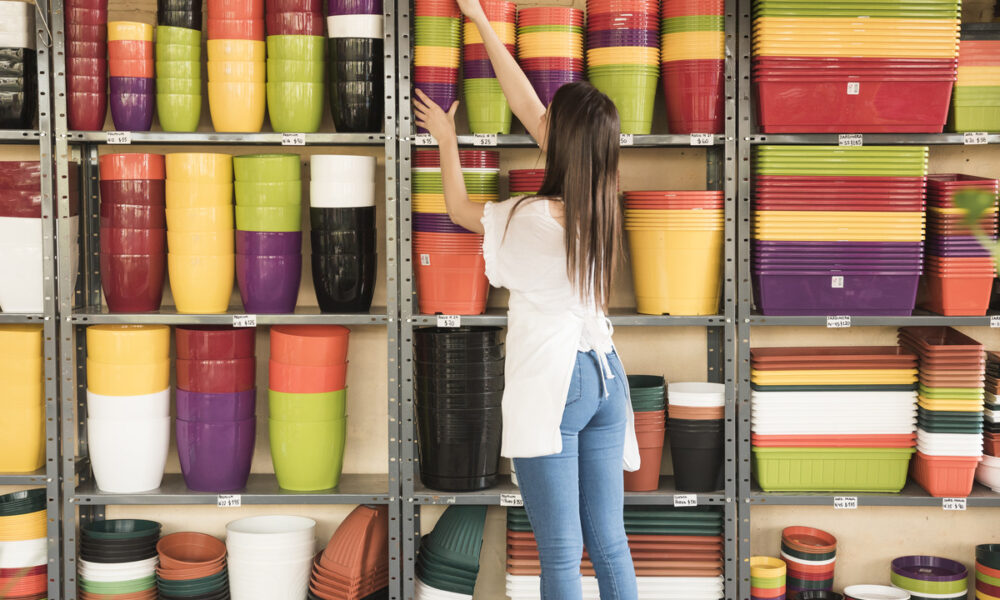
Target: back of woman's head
column 582, row 167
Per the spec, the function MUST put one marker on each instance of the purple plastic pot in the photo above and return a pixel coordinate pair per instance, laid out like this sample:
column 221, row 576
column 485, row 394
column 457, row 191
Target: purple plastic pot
column 216, row 457
column 478, row 69
column 268, row 284
column 436, row 222
column 607, row 38
column 929, row 568
column 131, row 112
column 354, row 7
column 268, row 243
column 214, row 408
column 873, row 293
column 131, row 85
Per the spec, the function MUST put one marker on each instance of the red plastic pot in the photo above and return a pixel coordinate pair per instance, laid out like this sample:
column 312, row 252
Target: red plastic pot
column 294, row 5
column 149, row 192
column 216, row 376
column 310, row 345
column 214, row 342
column 235, row 9
column 90, row 85
column 944, row 476
column 295, row 23
column 118, row 240
column 130, row 68
column 21, row 203
column 133, row 216
column 647, row 478
column 453, row 290
column 694, row 93
column 434, row 75
column 236, row 29
column 90, row 67
column 478, row 51
column 697, row 7
column 86, row 32
column 131, row 165
column 133, row 283
column 130, row 50
column 87, row 16
column 87, row 111
column 95, row 49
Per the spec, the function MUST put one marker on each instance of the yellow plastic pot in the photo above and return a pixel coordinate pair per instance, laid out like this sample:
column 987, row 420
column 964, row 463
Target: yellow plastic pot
column 854, row 23
column 198, row 194
column 201, row 284
column 677, row 273
column 435, row 56
column 20, row 393
column 859, row 51
column 237, row 107
column 767, row 567
column 212, row 218
column 236, row 50
column 128, row 344
column 28, row 526
column 713, row 41
column 129, row 30
column 237, row 71
column 201, row 167
column 834, row 237
column 21, row 370
column 20, row 339
column 204, row 243
column 117, row 379
column 22, row 437
column 507, row 32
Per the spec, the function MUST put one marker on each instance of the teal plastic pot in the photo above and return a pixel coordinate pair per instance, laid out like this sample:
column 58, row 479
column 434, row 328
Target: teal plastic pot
column 269, row 218
column 267, row 167
column 305, row 71
column 308, row 455
column 633, row 95
column 296, row 47
column 178, row 112
column 279, row 193
column 295, row 107
column 326, row 406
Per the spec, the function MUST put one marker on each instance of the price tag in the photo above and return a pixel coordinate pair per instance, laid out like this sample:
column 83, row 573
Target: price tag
column 119, row 137
column 685, row 500
column 424, row 139
column 484, row 139
column 449, row 321
column 244, row 320
column 838, row 322
column 995, row 321
column 975, row 138
column 450, row 500
column 425, row 260
column 229, row 501
column 853, row 88
column 626, row 139
column 954, row 503
column 845, row 502
column 702, row 139
column 850, row 139
column 837, row 281
column 293, row 139
column 511, row 500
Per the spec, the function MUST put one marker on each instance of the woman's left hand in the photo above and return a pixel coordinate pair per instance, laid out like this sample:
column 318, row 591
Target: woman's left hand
column 430, row 116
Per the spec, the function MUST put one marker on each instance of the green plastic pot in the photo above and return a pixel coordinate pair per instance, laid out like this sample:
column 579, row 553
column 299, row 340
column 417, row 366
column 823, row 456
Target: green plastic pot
column 927, row 587
column 325, row 406
column 269, row 218
column 162, row 51
column 974, row 118
column 193, row 587
column 831, row 469
column 633, row 95
column 182, row 36
column 279, row 193
column 282, row 69
column 168, row 85
column 767, row 583
column 178, row 69
column 307, row 455
column 296, row 47
column 950, row 393
column 437, row 23
column 120, row 529
column 267, row 167
column 550, row 28
column 178, row 112
column 692, row 23
column 295, row 107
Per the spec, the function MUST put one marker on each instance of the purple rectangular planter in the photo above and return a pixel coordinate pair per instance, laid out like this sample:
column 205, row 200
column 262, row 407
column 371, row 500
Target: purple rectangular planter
column 864, row 293
column 216, row 457
column 269, row 284
column 214, row 408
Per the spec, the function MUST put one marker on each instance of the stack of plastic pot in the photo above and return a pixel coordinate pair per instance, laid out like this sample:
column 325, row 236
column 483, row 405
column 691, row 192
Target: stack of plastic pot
column 988, row 471
column 21, row 237
column 833, row 419
column 237, row 94
column 268, row 231
column 356, row 31
column 24, row 560
column 550, row 47
column 355, row 564
column 525, row 182
column 848, row 66
column 118, row 559
column 192, row 565
column 22, row 430
column 184, row 14
column 767, row 578
column 459, row 386
column 270, row 557
column 19, row 95
column 200, row 231
column 950, row 417
column 437, row 35
column 647, row 393
column 307, row 394
column 448, row 558
column 178, row 76
column 926, row 577
column 295, row 95
column 623, row 56
column 675, row 245
column 695, row 431
column 130, row 65
column 975, row 103
column 86, row 64
column 343, row 234
column 133, row 231
column 693, row 65
column 448, row 259
column 987, row 570
column 677, row 553
column 215, row 406
column 958, row 277
column 810, row 557
column 838, row 230
column 485, row 102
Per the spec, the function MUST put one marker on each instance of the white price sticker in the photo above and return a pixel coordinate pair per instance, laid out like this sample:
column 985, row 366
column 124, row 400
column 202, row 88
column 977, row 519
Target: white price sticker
column 626, row 139
column 845, row 502
column 954, row 503
column 449, row 321
column 511, row 500
column 850, row 139
column 838, row 322
column 975, row 138
column 995, row 321
column 702, row 139
column 119, row 137
column 244, row 320
column 424, row 139
column 293, row 139
column 425, row 260
column 853, row 88
column 685, row 500
column 484, row 139
column 229, row 501
column 837, row 281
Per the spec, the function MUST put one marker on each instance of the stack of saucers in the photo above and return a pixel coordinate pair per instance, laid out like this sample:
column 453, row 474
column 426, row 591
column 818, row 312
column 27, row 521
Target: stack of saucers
column 22, row 430
column 437, row 38
column 810, row 556
column 767, row 578
column 693, row 64
column 525, row 182
column 355, row 63
column 178, row 76
column 192, row 565
column 118, row 557
column 23, row 542
column 991, row 415
column 647, row 393
column 927, row 577
column 448, row 559
column 19, row 96
column 355, row 564
column 130, row 64
column 550, row 47
column 485, row 102
column 270, row 556
column 295, row 70
column 987, row 570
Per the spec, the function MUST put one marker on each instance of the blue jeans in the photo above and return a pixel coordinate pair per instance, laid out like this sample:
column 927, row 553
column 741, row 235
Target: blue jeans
column 577, row 496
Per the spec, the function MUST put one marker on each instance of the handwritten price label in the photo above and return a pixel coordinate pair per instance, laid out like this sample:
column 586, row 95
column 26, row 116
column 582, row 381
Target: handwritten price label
column 702, row 139
column 685, row 500
column 229, row 501
column 850, row 139
column 244, row 320
column 424, row 139
column 954, row 503
column 975, row 138
column 293, row 139
column 626, row 139
column 838, row 322
column 511, row 500
column 845, row 502
column 119, row 137
column 484, row 139
column 449, row 321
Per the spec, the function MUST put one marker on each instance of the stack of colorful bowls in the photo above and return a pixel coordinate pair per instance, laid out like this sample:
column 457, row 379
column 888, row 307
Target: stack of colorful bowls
column 22, row 430
column 437, row 35
column 185, row 14
column 623, row 56
column 200, row 231
column 355, row 564
column 959, row 270
column 178, row 77
column 949, row 434
column 838, row 230
column 86, row 64
column 192, row 565
column 356, row 64
column 448, row 259
column 810, row 556
column 448, row 559
column 675, row 245
column 216, row 402
column 693, row 65
column 647, row 393
column 848, row 66
column 295, row 70
column 19, row 101
column 307, row 391
column 987, row 571
column 812, row 408
column 270, row 556
column 550, row 47
column 975, row 104
column 118, row 558
column 268, row 231
column 677, row 553
column 343, row 234
column 128, row 405
column 24, row 560
column 133, row 231
column 927, row 577
column 991, row 415
column 237, row 94
column 130, row 64
column 695, row 431
column 484, row 100
column 767, row 578
column 21, row 272
column 525, row 182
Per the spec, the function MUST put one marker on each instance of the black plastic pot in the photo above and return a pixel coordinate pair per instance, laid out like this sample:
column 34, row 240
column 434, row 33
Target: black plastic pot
column 437, row 385
column 459, row 449
column 457, row 338
column 427, row 353
column 342, row 219
column 343, row 242
column 697, row 460
column 466, row 370
column 179, row 18
column 355, row 70
column 459, row 401
column 351, row 49
column 694, row 425
column 344, row 282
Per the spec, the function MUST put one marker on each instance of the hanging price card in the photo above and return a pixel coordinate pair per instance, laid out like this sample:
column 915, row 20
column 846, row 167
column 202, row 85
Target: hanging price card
column 853, row 88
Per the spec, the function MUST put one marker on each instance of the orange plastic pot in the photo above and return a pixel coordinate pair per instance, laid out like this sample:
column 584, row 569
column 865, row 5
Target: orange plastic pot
column 135, row 165
column 236, row 29
column 130, row 50
column 130, row 68
column 452, row 290
column 189, row 574
column 312, row 345
column 647, row 478
column 305, row 379
column 958, row 295
column 697, row 413
column 944, row 476
column 189, row 549
column 649, row 439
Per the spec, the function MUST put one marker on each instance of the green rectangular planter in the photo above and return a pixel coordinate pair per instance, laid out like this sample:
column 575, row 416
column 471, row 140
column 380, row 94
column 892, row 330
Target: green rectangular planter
column 831, row 469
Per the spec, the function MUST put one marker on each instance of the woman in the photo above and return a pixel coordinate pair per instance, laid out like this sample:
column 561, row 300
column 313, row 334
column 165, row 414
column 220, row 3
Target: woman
column 567, row 418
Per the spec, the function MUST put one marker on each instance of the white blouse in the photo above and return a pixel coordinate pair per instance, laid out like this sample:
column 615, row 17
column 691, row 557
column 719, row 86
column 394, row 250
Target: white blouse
column 547, row 323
